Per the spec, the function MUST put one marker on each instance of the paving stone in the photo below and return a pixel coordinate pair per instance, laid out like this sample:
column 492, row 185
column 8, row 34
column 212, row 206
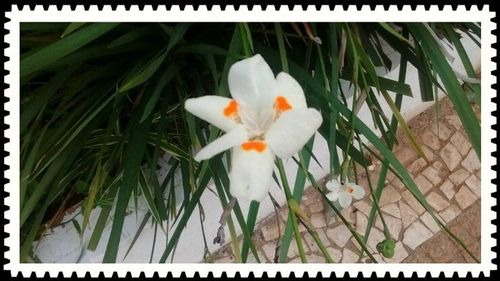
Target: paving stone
column 293, row 250
column 269, row 250
column 349, row 256
column 450, row 213
column 436, row 201
column 429, row 153
column 361, row 223
column 418, row 257
column 389, row 176
column 308, row 199
column 295, row 260
column 414, row 204
column 392, row 209
column 348, row 214
column 389, row 195
column 377, row 257
column 393, row 224
column 318, row 220
column 284, row 214
column 441, row 168
column 252, row 259
column 423, row 184
column 302, row 228
column 331, row 220
column 432, row 174
column 357, row 247
column 471, row 221
column 397, row 183
column 416, row 234
column 461, row 143
column 271, row 231
column 459, row 176
column 450, row 155
column 363, row 206
column 226, row 259
column 448, row 189
column 408, row 215
column 471, row 162
column 335, row 254
column 430, row 140
column 406, row 155
column 474, row 185
column 441, row 249
column 441, row 130
column 429, row 222
column 376, row 236
column 417, row 166
column 454, row 121
column 312, row 244
column 339, row 235
column 400, row 254
column 475, row 249
column 314, row 258
column 465, row 197
column 316, row 208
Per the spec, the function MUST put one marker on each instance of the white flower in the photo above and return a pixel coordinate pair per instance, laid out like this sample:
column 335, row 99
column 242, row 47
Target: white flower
column 344, row 192
column 266, row 117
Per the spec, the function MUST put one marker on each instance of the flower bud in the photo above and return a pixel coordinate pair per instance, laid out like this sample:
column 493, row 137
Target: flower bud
column 386, row 247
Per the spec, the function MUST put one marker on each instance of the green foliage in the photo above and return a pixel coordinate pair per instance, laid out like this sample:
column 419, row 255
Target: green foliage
column 101, row 103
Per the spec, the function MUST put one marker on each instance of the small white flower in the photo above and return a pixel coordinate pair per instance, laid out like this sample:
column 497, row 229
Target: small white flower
column 266, row 117
column 344, row 192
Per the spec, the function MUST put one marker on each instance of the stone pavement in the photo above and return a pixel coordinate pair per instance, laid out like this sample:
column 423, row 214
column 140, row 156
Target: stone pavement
column 451, row 182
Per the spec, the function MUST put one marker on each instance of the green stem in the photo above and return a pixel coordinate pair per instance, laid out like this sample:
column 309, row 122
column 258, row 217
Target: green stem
column 234, row 240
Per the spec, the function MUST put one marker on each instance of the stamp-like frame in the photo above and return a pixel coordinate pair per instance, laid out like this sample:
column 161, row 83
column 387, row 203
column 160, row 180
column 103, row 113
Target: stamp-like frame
column 244, row 14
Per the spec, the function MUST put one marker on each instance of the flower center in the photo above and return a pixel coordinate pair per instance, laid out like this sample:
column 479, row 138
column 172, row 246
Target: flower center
column 349, row 189
column 256, row 123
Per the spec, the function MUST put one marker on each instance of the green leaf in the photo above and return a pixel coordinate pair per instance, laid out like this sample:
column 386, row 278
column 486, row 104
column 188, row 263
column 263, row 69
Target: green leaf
column 152, row 66
column 169, row 73
column 103, row 217
column 47, row 55
column 456, row 94
column 72, row 27
column 133, row 159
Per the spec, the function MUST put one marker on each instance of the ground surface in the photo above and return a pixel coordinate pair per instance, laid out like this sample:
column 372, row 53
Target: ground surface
column 450, row 180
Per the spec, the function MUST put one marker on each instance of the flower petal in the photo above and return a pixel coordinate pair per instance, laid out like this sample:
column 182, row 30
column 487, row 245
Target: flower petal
column 357, row 192
column 292, row 130
column 332, row 196
column 251, row 173
column 345, row 199
column 212, row 109
column 235, row 137
column 291, row 90
column 252, row 83
column 333, row 185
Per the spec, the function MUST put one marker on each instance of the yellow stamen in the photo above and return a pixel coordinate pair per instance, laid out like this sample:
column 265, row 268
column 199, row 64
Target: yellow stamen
column 254, row 145
column 282, row 104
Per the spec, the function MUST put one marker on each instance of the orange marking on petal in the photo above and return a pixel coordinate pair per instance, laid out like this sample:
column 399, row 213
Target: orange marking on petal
column 254, row 145
column 282, row 104
column 350, row 189
column 231, row 109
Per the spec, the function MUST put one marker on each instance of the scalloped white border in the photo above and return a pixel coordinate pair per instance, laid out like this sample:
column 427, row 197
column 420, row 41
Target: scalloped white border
column 257, row 14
